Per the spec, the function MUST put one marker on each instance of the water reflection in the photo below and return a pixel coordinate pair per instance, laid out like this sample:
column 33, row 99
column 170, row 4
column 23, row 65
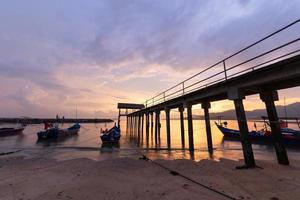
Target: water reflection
column 89, row 136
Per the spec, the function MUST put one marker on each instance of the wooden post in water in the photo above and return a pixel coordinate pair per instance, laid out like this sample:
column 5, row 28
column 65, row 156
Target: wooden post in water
column 167, row 110
column 181, row 110
column 244, row 133
column 206, row 106
column 268, row 97
column 190, row 127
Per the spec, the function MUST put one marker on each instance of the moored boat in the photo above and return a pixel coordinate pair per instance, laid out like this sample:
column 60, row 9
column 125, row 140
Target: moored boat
column 11, row 131
column 289, row 136
column 111, row 135
column 54, row 133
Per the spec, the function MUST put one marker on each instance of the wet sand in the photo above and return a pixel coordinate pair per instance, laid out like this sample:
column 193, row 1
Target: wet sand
column 134, row 178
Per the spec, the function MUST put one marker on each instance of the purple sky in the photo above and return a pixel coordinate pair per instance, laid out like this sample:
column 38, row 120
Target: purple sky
column 57, row 54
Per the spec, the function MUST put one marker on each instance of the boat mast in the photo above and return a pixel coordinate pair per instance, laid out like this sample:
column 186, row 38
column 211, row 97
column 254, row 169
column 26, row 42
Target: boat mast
column 76, row 111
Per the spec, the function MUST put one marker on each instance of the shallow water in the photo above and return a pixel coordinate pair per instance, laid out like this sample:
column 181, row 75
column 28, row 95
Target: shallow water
column 87, row 144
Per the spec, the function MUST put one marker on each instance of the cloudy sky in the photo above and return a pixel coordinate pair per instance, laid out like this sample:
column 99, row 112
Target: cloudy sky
column 57, row 54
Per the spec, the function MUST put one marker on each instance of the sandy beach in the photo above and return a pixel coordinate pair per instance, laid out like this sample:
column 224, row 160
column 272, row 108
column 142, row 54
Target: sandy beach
column 135, row 178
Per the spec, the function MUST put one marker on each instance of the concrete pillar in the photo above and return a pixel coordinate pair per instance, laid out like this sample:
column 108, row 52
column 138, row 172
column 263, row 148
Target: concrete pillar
column 147, row 129
column 167, row 110
column 130, row 128
column 127, row 125
column 206, row 107
column 119, row 118
column 244, row 133
column 134, row 128
column 142, row 130
column 181, row 110
column 138, row 129
column 268, row 97
column 237, row 96
column 190, row 127
column 156, row 128
column 151, row 114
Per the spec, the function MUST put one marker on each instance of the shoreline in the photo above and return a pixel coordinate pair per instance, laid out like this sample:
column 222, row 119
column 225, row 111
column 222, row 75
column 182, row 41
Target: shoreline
column 134, row 178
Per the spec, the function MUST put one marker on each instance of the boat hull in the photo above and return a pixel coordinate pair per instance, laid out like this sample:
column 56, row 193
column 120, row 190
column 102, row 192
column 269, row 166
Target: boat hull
column 260, row 136
column 113, row 135
column 10, row 131
column 55, row 133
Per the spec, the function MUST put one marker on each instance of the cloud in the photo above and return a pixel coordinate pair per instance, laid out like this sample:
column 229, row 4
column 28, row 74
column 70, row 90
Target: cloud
column 97, row 53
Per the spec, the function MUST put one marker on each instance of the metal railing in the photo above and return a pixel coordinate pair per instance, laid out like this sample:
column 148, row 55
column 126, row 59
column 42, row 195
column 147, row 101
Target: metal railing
column 222, row 71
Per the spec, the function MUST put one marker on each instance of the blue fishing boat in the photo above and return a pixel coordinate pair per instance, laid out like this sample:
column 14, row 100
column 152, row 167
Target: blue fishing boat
column 289, row 136
column 111, row 135
column 55, row 132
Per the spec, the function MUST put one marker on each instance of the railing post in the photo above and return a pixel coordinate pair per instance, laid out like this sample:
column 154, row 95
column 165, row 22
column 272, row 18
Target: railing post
column 183, row 88
column 152, row 101
column 225, row 71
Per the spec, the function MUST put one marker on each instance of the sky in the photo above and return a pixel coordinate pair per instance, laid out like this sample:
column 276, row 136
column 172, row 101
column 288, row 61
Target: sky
column 59, row 54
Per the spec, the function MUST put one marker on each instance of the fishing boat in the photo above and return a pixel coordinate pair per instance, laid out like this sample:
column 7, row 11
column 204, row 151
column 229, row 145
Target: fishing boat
column 11, row 131
column 289, row 136
column 111, row 135
column 55, row 132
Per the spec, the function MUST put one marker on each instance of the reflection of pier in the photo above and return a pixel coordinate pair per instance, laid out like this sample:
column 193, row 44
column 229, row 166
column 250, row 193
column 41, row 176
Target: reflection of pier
column 263, row 74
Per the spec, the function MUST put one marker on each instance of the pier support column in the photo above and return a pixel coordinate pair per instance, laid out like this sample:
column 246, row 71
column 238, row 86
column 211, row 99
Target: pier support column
column 151, row 114
column 135, row 128
column 237, row 96
column 130, row 128
column 147, row 129
column 142, row 129
column 119, row 117
column 139, row 129
column 206, row 107
column 268, row 97
column 127, row 125
column 168, row 127
column 190, row 127
column 156, row 127
column 244, row 133
column 181, row 110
